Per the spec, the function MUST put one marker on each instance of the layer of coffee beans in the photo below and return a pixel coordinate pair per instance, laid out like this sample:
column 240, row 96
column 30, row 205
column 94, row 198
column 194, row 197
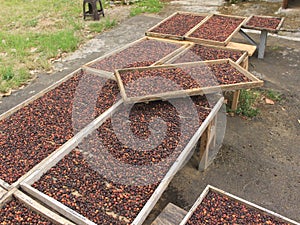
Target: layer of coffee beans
column 219, row 209
column 217, row 28
column 139, row 83
column 108, row 180
column 203, row 53
column 36, row 130
column 178, row 25
column 263, row 22
column 16, row 213
column 142, row 53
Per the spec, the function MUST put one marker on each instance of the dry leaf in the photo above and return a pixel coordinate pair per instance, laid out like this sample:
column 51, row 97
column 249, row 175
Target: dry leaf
column 269, row 101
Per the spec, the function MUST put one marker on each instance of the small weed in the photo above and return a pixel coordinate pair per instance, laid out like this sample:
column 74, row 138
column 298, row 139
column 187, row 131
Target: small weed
column 150, row 6
column 7, row 73
column 273, row 95
column 247, row 101
column 31, row 23
column 102, row 25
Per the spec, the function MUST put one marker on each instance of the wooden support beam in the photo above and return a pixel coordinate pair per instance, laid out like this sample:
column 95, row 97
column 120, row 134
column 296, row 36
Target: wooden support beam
column 235, row 100
column 262, row 44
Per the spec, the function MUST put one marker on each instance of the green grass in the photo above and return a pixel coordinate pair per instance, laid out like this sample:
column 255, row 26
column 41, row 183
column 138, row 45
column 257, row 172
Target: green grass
column 273, row 95
column 247, row 102
column 149, row 6
column 32, row 32
column 103, row 25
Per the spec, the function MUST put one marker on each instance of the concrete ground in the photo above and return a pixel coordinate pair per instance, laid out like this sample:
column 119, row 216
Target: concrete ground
column 259, row 160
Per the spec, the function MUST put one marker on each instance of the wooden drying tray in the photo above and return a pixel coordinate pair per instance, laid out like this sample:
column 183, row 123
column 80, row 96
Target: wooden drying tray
column 188, row 36
column 70, row 143
column 255, row 82
column 110, row 75
column 174, row 168
column 180, row 54
column 172, row 36
column 35, row 206
column 210, row 188
column 263, row 28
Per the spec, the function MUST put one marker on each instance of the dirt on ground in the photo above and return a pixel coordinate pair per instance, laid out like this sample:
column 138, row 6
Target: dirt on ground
column 259, row 159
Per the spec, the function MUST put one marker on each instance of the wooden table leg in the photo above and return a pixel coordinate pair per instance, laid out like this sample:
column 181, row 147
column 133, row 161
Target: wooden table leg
column 262, row 44
column 235, row 100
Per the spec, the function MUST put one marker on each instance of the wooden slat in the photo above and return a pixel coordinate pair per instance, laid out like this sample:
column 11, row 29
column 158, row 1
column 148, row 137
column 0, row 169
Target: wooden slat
column 255, row 82
column 79, row 219
column 210, row 188
column 243, row 47
column 171, row 215
column 188, row 37
column 57, row 206
column 7, row 197
column 2, row 192
column 40, row 209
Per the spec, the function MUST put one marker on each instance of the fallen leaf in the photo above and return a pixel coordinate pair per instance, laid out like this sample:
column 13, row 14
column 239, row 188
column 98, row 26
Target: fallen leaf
column 269, row 101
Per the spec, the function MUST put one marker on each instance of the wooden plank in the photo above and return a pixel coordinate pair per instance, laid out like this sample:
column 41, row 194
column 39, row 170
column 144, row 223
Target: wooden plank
column 171, row 36
column 2, row 192
column 243, row 47
column 254, row 82
column 40, row 209
column 7, row 197
column 235, row 100
column 100, row 73
column 213, row 42
column 262, row 44
column 38, row 95
column 56, row 205
column 171, row 215
column 262, row 28
column 210, row 188
column 79, row 219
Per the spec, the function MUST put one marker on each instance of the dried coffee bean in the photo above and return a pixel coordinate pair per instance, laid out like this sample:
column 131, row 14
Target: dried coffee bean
column 203, row 53
column 16, row 213
column 143, row 53
column 217, row 28
column 220, row 209
column 178, row 25
column 36, row 130
column 90, row 180
column 263, row 22
column 151, row 81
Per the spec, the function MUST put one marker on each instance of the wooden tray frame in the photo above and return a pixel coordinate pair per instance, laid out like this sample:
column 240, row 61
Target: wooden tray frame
column 79, row 219
column 110, row 75
column 213, row 42
column 54, row 156
column 255, row 82
column 210, row 188
column 34, row 206
column 261, row 28
column 239, row 61
column 150, row 33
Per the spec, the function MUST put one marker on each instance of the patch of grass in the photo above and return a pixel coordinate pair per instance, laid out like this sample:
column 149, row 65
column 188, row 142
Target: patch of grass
column 247, row 101
column 150, row 6
column 12, row 79
column 273, row 95
column 102, row 25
